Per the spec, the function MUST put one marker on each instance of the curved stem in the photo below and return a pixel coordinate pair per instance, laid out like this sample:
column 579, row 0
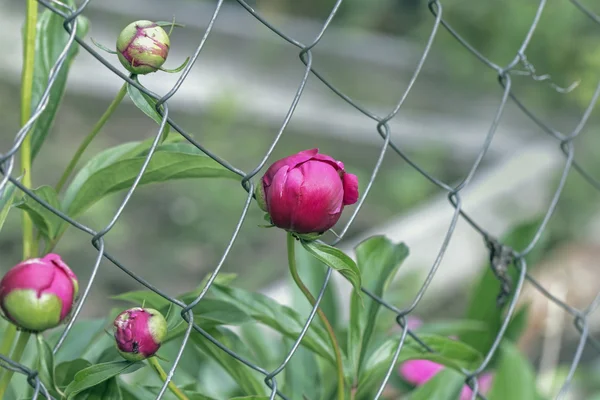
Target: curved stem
column 15, row 356
column 291, row 250
column 29, row 242
column 88, row 139
column 153, row 361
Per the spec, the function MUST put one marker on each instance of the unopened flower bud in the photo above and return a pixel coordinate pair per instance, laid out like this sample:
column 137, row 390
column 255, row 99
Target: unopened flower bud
column 142, row 47
column 139, row 333
column 306, row 193
column 38, row 293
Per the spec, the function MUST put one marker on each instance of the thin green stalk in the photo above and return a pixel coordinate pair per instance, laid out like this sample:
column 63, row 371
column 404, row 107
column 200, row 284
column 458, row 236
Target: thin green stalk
column 15, row 356
column 29, row 242
column 8, row 339
column 88, row 139
column 161, row 373
column 291, row 250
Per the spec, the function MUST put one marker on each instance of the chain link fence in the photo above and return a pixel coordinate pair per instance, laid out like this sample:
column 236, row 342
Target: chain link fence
column 502, row 257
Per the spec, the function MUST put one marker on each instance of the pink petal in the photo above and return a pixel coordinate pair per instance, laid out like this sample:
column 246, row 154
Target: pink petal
column 320, row 204
column 290, row 162
column 282, row 198
column 418, row 372
column 350, row 189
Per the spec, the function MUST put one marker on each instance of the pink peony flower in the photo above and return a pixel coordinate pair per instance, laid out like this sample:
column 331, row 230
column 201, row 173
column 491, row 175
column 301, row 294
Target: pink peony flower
column 307, row 192
column 38, row 293
column 139, row 333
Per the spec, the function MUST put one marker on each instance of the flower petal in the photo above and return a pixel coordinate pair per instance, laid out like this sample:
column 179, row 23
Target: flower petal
column 350, row 189
column 290, row 161
column 418, row 372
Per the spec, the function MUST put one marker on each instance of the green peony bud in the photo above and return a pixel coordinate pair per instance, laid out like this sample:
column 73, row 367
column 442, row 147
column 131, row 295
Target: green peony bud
column 142, row 47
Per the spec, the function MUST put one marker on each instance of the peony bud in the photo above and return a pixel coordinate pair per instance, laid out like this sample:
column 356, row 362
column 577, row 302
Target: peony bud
column 142, row 47
column 306, row 192
column 38, row 294
column 139, row 333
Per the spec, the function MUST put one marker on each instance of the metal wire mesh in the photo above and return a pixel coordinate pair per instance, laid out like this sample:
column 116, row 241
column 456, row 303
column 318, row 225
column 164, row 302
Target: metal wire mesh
column 501, row 255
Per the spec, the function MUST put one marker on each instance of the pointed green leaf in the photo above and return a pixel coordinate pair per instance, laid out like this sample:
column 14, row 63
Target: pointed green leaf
column 448, row 352
column 248, row 380
column 147, row 297
column 51, row 38
column 279, row 317
column 45, row 366
column 337, row 260
column 99, row 373
column 106, row 390
column 378, row 260
column 144, row 102
column 514, row 378
column 65, row 372
column 6, row 201
column 445, row 385
column 120, row 175
column 44, row 220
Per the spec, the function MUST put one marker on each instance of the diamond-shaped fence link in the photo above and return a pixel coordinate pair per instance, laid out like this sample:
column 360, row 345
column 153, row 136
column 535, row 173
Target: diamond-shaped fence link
column 501, row 256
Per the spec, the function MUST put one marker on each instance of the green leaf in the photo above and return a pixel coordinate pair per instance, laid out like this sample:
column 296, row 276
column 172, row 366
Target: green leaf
column 50, row 41
column 210, row 313
column 144, row 102
column 198, row 396
column 148, row 106
column 378, row 260
column 483, row 300
column 337, row 260
column 47, row 222
column 452, row 327
column 65, row 372
column 250, row 398
column 120, row 175
column 80, row 340
column 106, row 390
column 99, row 373
column 312, row 272
column 514, row 378
column 445, row 385
column 6, row 201
column 279, row 317
column 146, row 297
column 517, row 324
column 45, row 365
column 248, row 380
column 303, row 378
column 448, row 352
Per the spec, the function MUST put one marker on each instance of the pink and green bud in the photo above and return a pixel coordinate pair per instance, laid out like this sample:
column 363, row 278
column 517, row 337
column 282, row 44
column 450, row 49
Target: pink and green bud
column 139, row 333
column 142, row 47
column 306, row 193
column 38, row 293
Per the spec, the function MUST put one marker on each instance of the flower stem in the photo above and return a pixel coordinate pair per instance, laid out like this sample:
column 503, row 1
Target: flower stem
column 291, row 250
column 161, row 372
column 88, row 139
column 29, row 243
column 15, row 356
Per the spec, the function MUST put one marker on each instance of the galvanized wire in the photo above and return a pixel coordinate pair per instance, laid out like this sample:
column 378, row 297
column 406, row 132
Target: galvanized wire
column 382, row 128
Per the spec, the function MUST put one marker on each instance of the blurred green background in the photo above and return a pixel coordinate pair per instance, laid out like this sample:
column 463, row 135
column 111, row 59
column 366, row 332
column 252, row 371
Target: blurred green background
column 237, row 95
